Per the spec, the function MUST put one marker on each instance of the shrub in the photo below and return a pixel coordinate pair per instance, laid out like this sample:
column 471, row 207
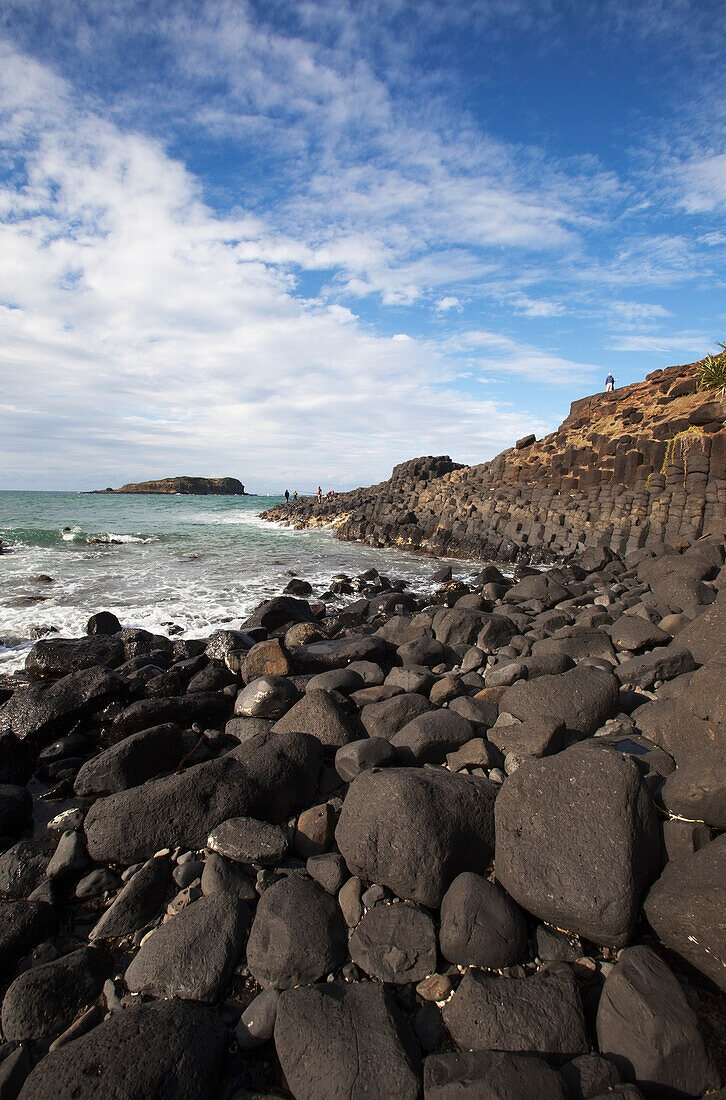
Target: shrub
column 712, row 373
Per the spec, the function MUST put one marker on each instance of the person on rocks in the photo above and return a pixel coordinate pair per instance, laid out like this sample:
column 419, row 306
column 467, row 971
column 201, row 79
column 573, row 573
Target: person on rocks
column 319, row 494
column 609, row 384
column 287, row 496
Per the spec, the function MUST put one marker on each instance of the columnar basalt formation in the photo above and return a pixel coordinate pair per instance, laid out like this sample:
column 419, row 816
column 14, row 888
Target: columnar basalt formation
column 640, row 466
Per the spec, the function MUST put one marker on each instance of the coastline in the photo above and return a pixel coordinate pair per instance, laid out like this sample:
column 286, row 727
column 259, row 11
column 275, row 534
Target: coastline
column 547, row 728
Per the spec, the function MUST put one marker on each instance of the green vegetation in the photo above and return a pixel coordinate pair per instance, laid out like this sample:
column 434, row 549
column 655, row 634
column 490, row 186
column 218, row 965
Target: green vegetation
column 681, row 445
column 712, row 373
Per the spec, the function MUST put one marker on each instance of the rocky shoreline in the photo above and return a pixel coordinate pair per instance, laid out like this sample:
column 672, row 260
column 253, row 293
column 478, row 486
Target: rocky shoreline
column 469, row 845
column 641, row 466
column 181, row 486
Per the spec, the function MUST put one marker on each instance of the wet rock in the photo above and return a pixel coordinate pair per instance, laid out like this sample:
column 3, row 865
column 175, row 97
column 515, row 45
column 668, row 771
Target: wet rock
column 429, row 737
column 318, row 713
column 481, row 925
column 132, row 761
column 138, row 903
column 209, row 708
column 578, row 841
column 266, row 697
column 193, row 955
column 104, row 622
column 271, row 775
column 246, row 840
column 297, row 936
column 395, row 943
column 685, row 909
column 166, row 1048
column 45, row 1000
column 56, row 657
column 541, row 1014
column 278, row 612
column 647, row 1028
column 491, row 1075
column 339, row 1040
column 40, row 713
column 222, row 643
column 442, row 826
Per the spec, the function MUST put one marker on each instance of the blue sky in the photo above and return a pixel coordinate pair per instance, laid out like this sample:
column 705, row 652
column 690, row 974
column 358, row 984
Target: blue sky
column 300, row 242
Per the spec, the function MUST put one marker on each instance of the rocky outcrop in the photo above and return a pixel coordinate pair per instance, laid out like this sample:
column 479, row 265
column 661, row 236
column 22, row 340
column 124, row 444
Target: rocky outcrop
column 186, row 486
column 637, row 467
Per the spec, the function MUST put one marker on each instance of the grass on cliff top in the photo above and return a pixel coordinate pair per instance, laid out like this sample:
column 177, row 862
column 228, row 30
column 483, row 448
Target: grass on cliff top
column 712, row 373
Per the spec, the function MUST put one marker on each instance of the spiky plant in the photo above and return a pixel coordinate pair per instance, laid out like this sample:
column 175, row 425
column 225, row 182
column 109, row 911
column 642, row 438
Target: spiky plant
column 712, row 373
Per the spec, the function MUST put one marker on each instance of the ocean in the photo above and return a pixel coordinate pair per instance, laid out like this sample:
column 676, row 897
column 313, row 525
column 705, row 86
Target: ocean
column 162, row 562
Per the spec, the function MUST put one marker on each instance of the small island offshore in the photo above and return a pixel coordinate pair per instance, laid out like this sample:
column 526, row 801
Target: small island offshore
column 185, row 486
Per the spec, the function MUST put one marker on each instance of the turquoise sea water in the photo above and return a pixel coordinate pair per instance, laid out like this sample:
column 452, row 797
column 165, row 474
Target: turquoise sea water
column 194, row 562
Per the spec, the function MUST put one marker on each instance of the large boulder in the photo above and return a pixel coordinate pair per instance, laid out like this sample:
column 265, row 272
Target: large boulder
column 386, row 718
column 664, row 663
column 578, row 841
column 481, row 925
column 415, row 829
column 541, row 1014
column 266, row 697
column 23, row 925
column 697, row 789
column 580, row 700
column 137, row 904
column 270, row 776
column 278, row 612
column 647, row 1028
column 211, row 708
column 491, row 1075
column 167, row 1048
column 319, row 713
column 45, row 1000
column 297, row 936
column 345, row 1042
column 193, row 955
column 55, row 657
column 395, row 943
column 132, row 761
column 428, row 738
column 686, row 905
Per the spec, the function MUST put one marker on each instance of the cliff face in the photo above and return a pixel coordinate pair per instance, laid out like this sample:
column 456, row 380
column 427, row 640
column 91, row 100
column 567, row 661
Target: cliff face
column 186, row 486
column 596, row 481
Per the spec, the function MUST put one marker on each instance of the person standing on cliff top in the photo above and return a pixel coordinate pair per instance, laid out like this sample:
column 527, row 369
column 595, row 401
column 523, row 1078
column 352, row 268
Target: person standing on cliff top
column 609, row 384
column 319, row 494
column 287, row 496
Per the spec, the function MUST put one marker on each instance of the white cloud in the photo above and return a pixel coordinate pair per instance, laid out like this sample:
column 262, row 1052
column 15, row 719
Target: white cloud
column 450, row 302
column 145, row 335
column 694, row 345
column 704, row 184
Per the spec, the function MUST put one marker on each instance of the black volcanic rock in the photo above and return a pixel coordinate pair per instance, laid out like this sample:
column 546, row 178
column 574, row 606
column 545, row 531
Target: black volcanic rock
column 167, row 1048
column 340, row 1040
column 415, row 829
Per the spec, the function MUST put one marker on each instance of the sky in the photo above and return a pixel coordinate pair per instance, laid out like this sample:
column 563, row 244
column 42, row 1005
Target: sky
column 298, row 242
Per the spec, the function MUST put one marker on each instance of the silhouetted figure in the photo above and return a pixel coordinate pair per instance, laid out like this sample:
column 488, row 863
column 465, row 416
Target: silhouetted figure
column 287, row 496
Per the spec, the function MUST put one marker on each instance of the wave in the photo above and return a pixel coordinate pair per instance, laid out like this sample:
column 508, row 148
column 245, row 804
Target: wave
column 17, row 538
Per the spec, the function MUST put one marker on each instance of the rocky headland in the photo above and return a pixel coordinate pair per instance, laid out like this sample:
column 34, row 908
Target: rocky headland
column 641, row 466
column 185, row 486
column 371, row 843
